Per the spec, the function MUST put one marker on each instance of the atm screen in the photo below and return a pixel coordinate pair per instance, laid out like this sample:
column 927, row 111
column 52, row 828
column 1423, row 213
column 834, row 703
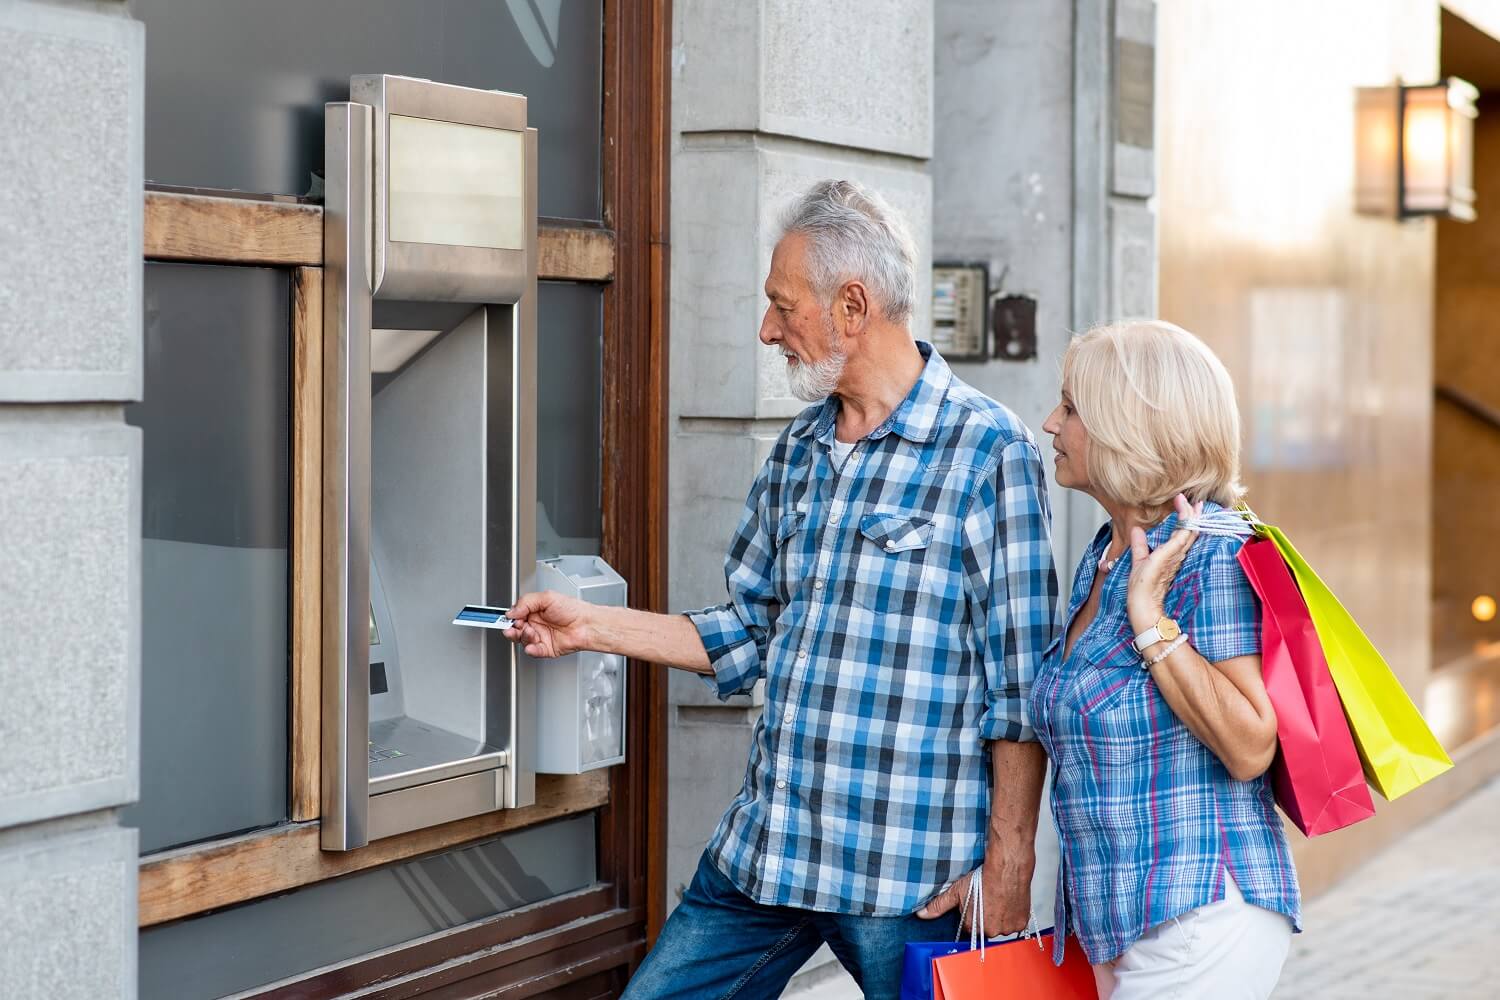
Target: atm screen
column 456, row 185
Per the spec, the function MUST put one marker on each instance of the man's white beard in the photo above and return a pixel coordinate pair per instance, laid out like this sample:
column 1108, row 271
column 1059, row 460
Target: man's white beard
column 813, row 383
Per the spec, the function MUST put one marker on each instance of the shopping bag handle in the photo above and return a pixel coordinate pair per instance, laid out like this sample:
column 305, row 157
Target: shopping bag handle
column 974, row 895
column 1240, row 522
column 977, row 936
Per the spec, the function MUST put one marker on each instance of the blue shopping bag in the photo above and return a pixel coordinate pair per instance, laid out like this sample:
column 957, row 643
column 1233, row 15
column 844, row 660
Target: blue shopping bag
column 917, row 959
column 916, row 966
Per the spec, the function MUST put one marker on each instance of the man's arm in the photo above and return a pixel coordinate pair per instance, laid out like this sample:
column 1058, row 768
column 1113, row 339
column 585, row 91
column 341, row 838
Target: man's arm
column 1010, row 848
column 554, row 625
column 725, row 644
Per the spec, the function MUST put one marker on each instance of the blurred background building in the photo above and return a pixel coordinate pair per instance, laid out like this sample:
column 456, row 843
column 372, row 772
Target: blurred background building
column 1059, row 163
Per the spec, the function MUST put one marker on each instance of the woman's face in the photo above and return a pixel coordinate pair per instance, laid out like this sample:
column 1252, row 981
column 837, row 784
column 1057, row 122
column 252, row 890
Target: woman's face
column 1070, row 445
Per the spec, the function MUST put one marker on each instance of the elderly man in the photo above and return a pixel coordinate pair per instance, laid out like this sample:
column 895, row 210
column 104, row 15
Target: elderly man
column 891, row 581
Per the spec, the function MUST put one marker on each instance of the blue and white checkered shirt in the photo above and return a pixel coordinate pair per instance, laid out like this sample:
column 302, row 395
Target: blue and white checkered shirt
column 897, row 609
column 1149, row 820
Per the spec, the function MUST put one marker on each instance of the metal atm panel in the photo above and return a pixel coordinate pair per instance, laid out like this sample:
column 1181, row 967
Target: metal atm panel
column 429, row 450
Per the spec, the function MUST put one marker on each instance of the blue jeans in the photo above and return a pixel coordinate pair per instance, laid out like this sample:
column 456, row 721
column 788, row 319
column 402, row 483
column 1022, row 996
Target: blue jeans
column 720, row 943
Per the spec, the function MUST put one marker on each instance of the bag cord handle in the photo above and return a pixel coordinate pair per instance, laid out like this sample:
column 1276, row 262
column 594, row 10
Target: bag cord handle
column 974, row 896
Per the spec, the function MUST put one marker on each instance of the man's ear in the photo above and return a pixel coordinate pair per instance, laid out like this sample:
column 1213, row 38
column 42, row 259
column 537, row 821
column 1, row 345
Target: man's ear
column 851, row 308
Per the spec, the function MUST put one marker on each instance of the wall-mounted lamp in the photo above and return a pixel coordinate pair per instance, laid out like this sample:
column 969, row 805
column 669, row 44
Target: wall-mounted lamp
column 1414, row 150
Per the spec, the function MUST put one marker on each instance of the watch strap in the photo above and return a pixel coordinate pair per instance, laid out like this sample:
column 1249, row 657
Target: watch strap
column 1146, row 639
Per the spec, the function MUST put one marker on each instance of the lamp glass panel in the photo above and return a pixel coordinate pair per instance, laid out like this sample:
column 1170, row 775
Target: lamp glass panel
column 1376, row 122
column 1426, row 149
column 455, row 184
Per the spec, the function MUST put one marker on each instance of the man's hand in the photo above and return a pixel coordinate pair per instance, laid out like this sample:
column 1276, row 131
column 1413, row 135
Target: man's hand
column 1007, row 896
column 550, row 624
column 1007, row 887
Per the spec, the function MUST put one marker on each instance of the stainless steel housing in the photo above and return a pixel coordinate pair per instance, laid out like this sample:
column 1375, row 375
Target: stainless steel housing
column 430, row 486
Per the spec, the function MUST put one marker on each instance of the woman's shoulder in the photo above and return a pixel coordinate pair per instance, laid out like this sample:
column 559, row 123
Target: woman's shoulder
column 1226, row 533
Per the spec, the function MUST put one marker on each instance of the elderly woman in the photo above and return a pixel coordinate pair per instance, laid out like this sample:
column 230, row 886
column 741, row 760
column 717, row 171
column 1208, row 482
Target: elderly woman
column 1175, row 875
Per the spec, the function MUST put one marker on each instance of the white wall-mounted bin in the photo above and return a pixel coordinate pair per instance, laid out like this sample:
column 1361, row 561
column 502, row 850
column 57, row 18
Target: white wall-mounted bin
column 580, row 697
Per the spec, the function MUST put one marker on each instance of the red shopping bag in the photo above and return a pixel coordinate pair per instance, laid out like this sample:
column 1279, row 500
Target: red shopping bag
column 1014, row 970
column 1317, row 776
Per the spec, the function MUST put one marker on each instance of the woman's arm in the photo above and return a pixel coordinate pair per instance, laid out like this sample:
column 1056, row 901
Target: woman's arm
column 1224, row 703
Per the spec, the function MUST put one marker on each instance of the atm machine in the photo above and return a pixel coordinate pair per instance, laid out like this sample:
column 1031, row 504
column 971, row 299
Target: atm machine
column 429, row 507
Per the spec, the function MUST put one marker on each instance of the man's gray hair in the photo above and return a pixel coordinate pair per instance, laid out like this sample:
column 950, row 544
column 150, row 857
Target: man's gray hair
column 853, row 235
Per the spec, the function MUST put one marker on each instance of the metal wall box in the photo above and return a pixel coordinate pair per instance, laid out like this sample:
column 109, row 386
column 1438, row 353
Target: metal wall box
column 960, row 296
column 581, row 698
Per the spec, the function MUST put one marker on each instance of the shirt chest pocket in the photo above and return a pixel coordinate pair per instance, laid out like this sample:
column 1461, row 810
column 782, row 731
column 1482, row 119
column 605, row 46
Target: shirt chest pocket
column 892, row 553
column 792, row 561
column 1113, row 705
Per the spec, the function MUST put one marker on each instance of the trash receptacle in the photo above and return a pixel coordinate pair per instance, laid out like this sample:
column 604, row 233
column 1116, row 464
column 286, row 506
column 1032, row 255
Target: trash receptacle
column 580, row 697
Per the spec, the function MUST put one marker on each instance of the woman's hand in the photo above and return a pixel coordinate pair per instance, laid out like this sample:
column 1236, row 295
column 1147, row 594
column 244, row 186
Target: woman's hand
column 1152, row 572
column 550, row 624
column 1224, row 704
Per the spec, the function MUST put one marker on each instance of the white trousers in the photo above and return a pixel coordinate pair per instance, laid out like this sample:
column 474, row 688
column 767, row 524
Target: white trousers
column 1229, row 950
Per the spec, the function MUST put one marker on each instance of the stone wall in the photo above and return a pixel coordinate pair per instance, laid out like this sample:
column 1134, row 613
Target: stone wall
column 70, row 471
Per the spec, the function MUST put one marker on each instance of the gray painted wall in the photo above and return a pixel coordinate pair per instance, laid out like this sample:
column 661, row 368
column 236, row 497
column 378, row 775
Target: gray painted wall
column 70, row 356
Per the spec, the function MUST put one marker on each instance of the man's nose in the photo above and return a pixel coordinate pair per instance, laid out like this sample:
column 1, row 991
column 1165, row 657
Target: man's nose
column 769, row 334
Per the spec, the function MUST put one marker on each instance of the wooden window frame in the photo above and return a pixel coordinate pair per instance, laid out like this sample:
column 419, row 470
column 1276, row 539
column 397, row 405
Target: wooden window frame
column 225, row 228
column 285, row 233
column 581, row 944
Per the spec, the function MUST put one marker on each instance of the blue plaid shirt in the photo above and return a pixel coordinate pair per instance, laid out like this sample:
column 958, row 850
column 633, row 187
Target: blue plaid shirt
column 1149, row 819
column 897, row 609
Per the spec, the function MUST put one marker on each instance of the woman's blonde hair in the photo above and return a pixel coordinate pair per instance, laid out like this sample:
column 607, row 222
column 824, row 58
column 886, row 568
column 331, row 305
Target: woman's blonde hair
column 1160, row 412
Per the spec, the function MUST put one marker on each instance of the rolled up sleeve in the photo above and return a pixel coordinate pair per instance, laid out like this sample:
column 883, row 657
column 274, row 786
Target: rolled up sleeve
column 736, row 633
column 1012, row 586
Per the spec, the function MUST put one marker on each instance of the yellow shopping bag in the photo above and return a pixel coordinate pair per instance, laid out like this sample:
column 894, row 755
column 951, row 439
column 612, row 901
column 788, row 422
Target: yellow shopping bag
column 1397, row 749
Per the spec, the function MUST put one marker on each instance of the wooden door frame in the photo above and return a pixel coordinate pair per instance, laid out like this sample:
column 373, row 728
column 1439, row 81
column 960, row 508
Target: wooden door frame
column 637, row 135
column 584, row 938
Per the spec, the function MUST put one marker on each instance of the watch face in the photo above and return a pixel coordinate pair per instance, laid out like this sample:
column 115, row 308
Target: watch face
column 1168, row 629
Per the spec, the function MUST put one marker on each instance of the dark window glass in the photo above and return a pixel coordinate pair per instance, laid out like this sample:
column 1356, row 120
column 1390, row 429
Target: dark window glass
column 285, row 936
column 570, row 358
column 217, row 437
column 235, row 90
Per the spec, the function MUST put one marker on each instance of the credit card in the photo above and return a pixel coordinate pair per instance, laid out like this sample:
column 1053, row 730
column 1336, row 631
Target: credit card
column 479, row 616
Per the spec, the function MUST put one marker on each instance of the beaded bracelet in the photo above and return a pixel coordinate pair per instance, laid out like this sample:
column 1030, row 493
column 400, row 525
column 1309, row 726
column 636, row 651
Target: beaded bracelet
column 1171, row 648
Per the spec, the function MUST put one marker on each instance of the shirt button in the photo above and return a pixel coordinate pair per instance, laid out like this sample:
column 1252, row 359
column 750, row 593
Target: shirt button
column 781, row 784
column 788, row 716
column 801, row 654
column 817, row 585
column 890, row 546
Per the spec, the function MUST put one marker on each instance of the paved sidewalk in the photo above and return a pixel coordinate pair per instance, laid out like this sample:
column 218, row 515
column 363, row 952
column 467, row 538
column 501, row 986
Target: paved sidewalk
column 1420, row 921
